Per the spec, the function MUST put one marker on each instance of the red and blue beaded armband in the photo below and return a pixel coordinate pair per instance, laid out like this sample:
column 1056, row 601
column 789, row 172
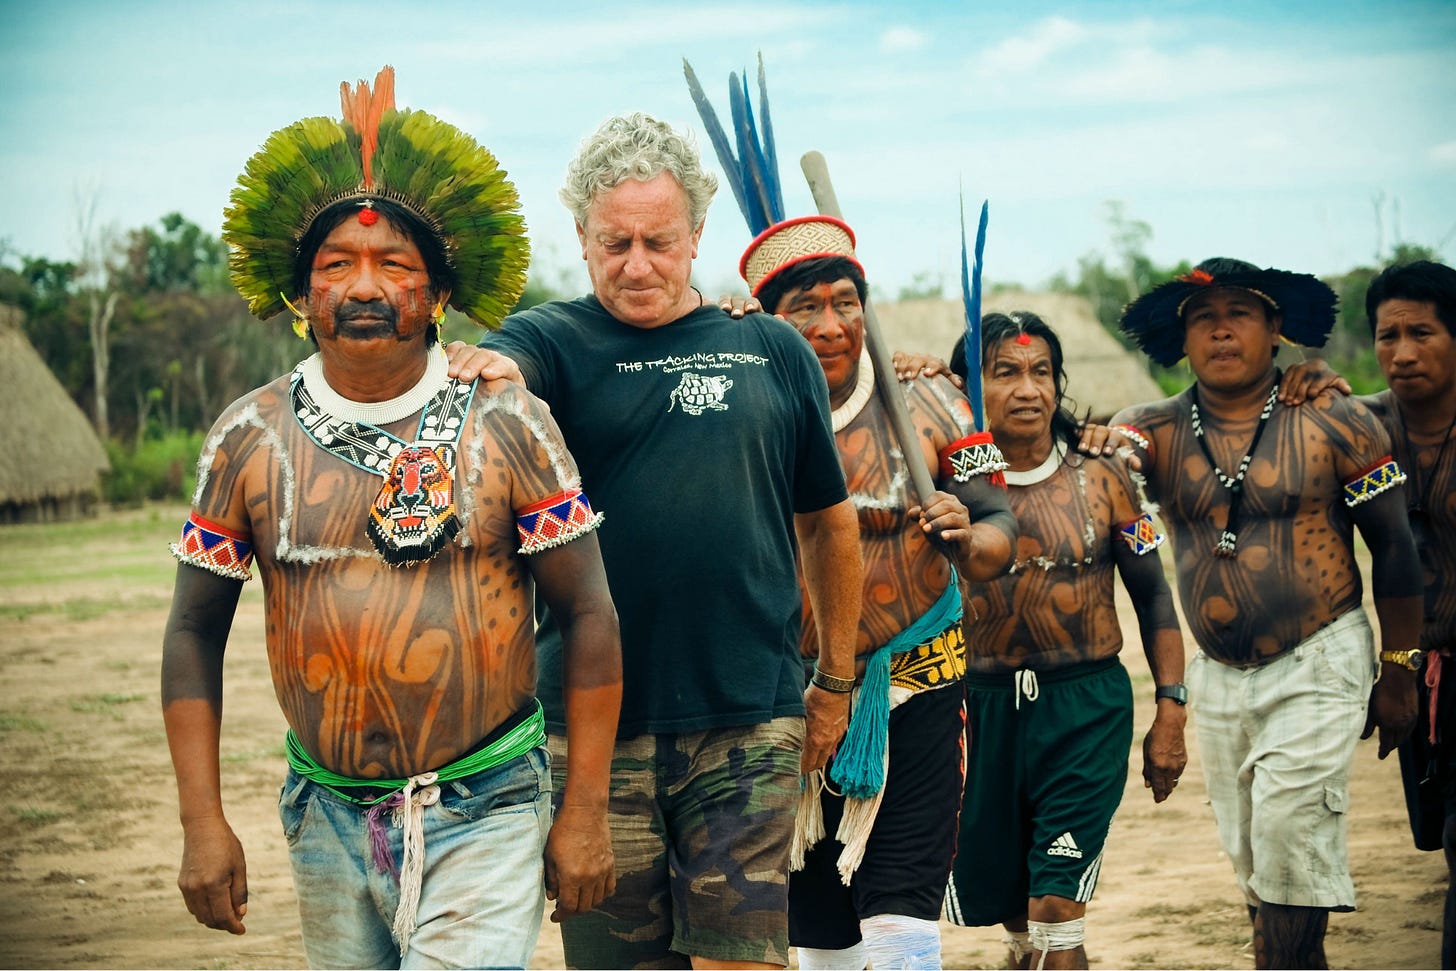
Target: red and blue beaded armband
column 1385, row 474
column 971, row 456
column 555, row 520
column 1141, row 535
column 214, row 548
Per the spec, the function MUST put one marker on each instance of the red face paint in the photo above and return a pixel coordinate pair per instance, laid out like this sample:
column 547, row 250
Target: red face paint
column 1023, row 339
column 368, row 217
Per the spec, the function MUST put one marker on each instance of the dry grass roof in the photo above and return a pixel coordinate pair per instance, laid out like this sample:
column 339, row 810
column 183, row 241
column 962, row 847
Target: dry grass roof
column 50, row 449
column 1101, row 374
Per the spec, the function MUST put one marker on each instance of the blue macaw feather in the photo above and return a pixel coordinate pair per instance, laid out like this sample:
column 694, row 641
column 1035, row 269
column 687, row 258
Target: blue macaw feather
column 743, row 127
column 770, row 153
column 971, row 295
column 752, row 170
column 719, row 138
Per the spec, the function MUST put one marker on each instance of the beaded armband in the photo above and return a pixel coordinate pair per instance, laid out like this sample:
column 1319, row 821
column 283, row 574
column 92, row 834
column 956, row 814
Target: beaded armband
column 1383, row 475
column 1141, row 535
column 971, row 456
column 215, row 549
column 555, row 520
column 1135, row 436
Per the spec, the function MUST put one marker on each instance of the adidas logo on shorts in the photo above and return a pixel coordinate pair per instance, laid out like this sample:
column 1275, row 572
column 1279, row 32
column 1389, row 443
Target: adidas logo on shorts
column 1064, row 845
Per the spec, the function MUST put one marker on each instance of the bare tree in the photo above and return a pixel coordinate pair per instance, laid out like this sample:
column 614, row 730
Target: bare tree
column 97, row 249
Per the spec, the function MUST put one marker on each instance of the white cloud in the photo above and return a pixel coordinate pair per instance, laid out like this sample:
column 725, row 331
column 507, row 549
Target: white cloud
column 901, row 40
column 1443, row 154
column 1019, row 55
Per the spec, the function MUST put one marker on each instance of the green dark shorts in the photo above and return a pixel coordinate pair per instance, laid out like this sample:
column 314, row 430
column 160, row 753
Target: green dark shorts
column 1046, row 767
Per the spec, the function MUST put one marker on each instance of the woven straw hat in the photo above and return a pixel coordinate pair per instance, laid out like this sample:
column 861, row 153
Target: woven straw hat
column 793, row 241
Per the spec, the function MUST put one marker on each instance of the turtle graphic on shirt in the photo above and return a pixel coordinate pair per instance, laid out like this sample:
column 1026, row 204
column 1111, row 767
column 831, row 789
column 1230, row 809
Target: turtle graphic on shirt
column 697, row 393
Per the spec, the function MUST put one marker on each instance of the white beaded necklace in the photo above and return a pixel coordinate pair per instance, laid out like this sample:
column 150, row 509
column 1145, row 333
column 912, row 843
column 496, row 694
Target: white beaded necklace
column 1042, row 472
column 864, row 387
column 375, row 412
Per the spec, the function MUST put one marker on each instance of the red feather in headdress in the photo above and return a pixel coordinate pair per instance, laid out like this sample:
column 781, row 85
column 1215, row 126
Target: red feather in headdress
column 362, row 111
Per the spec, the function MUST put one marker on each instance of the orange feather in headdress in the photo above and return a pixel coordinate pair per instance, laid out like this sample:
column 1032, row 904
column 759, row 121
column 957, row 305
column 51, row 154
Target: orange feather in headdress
column 363, row 110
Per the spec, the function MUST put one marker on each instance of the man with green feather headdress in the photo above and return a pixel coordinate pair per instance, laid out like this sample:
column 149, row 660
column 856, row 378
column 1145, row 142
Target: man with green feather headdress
column 402, row 522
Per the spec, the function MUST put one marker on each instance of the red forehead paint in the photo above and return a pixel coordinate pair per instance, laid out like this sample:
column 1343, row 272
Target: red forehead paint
column 368, row 217
column 1023, row 339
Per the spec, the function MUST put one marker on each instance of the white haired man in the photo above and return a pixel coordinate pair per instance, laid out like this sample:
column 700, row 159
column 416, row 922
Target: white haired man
column 710, row 438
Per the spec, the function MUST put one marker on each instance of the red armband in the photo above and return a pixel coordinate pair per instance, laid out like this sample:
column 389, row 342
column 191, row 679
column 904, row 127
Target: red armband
column 555, row 520
column 971, row 456
column 214, row 548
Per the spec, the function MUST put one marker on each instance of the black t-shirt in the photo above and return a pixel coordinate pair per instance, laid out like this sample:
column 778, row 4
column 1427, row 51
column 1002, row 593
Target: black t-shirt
column 698, row 440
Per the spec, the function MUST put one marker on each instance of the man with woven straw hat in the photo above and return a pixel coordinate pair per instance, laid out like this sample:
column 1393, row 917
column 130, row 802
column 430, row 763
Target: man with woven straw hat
column 877, row 830
column 400, row 521
column 1262, row 501
column 708, row 439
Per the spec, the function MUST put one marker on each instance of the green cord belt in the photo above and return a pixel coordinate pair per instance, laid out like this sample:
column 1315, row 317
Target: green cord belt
column 529, row 734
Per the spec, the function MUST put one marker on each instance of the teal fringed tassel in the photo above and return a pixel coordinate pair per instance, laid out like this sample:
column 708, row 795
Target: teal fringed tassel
column 859, row 763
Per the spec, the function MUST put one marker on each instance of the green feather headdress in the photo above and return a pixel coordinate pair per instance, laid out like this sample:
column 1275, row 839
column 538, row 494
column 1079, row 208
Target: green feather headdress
column 432, row 168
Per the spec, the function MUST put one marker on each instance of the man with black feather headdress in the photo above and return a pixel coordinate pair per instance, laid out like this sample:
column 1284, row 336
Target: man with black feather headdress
column 1262, row 501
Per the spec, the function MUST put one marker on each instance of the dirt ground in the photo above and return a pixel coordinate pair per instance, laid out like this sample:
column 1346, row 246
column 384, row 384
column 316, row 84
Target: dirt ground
column 91, row 841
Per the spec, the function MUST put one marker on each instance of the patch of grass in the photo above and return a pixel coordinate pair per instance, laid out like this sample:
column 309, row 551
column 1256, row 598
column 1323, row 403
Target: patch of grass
column 1167, row 910
column 103, row 704
column 34, row 817
column 279, row 751
column 10, row 722
column 81, row 608
column 135, row 543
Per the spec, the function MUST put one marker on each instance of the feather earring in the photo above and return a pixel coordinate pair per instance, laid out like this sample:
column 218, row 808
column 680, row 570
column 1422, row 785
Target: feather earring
column 300, row 318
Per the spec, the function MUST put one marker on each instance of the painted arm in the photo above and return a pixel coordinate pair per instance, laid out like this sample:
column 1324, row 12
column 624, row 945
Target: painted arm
column 829, row 559
column 1396, row 583
column 580, row 870
column 973, row 521
column 1165, row 751
column 1377, row 507
column 214, row 876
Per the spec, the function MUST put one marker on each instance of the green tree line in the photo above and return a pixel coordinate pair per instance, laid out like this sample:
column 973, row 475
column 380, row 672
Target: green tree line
column 146, row 334
column 1111, row 281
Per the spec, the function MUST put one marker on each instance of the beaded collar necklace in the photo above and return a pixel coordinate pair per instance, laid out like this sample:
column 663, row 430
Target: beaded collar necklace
column 1229, row 538
column 864, row 386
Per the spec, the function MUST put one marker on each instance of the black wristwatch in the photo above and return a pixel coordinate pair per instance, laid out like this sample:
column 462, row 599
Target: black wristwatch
column 1177, row 692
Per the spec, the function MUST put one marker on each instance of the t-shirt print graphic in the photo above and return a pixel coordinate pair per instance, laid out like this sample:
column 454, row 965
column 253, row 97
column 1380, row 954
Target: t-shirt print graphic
column 697, row 393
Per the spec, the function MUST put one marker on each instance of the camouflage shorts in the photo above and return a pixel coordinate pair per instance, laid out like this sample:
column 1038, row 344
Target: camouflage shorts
column 701, row 824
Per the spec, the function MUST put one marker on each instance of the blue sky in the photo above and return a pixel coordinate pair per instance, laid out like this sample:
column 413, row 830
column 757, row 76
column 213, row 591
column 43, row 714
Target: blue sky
column 1302, row 135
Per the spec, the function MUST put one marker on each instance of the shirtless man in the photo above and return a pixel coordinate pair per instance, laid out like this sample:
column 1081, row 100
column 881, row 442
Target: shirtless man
column 1412, row 313
column 872, row 888
column 1050, row 703
column 1262, row 502
column 399, row 521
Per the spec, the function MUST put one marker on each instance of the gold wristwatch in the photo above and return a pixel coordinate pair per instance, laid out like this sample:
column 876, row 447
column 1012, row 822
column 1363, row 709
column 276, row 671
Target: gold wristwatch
column 1410, row 660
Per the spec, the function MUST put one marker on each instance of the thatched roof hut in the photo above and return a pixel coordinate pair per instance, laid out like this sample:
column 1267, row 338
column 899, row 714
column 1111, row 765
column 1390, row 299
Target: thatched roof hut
column 1101, row 374
column 53, row 459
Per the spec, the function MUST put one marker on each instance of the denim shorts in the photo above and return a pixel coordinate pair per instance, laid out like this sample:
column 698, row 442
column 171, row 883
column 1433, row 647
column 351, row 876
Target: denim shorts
column 482, row 896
